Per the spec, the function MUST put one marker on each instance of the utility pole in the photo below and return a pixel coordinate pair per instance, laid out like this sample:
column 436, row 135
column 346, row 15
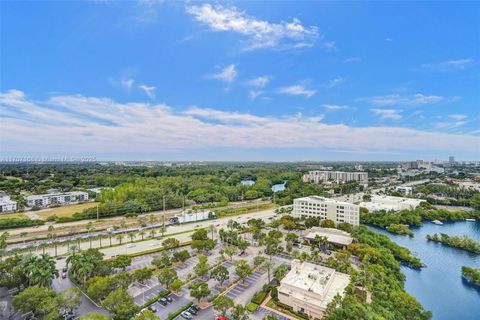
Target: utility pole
column 97, row 211
column 164, row 211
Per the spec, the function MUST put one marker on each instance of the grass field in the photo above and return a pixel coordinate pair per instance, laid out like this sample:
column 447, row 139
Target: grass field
column 65, row 211
column 13, row 215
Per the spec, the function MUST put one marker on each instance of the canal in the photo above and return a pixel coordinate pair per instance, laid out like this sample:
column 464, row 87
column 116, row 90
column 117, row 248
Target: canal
column 440, row 287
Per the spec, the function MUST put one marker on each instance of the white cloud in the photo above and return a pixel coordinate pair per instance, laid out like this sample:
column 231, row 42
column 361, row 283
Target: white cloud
column 258, row 82
column 334, row 82
column 127, row 83
column 449, row 65
column 149, row 90
column 259, row 33
column 352, row 59
column 228, row 74
column 334, row 107
column 297, row 90
column 458, row 117
column 102, row 125
column 388, row 39
column 330, row 46
column 417, row 99
column 390, row 114
column 254, row 94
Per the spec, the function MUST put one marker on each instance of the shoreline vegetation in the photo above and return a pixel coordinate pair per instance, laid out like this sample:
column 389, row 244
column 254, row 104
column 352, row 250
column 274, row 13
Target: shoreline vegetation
column 378, row 274
column 461, row 242
column 472, row 275
column 400, row 222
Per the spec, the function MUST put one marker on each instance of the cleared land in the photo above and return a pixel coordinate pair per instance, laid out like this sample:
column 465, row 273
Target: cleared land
column 65, row 211
column 13, row 215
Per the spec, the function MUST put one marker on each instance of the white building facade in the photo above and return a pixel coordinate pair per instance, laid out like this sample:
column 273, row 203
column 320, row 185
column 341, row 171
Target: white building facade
column 336, row 176
column 44, row 200
column 405, row 190
column 325, row 208
column 7, row 205
column 389, row 203
column 309, row 288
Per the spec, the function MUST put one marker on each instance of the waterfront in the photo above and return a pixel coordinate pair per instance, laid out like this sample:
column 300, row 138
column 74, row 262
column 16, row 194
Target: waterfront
column 440, row 287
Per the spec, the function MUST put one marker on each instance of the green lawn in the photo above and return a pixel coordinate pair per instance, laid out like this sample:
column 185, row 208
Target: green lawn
column 65, row 211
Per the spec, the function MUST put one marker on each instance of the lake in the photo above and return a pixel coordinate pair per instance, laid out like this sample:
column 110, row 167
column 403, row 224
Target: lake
column 440, row 287
column 247, row 182
column 279, row 186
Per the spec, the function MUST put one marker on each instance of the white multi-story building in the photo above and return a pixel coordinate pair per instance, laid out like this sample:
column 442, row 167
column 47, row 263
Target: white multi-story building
column 44, row 200
column 405, row 190
column 336, row 176
column 309, row 288
column 7, row 205
column 325, row 208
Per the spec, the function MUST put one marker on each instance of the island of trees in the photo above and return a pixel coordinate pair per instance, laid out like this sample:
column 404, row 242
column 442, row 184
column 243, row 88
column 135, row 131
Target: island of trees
column 462, row 242
column 472, row 275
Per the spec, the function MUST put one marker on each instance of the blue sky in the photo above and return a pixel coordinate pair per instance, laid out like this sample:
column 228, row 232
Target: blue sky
column 240, row 81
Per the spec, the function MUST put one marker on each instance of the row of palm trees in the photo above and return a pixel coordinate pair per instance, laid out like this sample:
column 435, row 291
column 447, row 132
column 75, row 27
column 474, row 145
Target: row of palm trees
column 53, row 237
column 39, row 270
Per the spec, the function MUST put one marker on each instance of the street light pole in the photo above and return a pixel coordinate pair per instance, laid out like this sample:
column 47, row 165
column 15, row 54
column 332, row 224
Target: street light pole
column 164, row 211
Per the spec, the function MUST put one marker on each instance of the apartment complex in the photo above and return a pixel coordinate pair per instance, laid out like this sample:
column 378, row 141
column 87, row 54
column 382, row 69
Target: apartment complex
column 7, row 205
column 335, row 176
column 309, row 288
column 325, row 208
column 44, row 200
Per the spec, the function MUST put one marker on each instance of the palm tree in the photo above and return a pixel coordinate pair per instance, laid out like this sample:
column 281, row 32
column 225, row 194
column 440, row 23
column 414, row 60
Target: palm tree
column 131, row 235
column 142, row 233
column 212, row 229
column 39, row 270
column 110, row 235
column 120, row 237
column 163, row 229
column 268, row 264
column 54, row 237
column 123, row 224
column 152, row 233
column 152, row 219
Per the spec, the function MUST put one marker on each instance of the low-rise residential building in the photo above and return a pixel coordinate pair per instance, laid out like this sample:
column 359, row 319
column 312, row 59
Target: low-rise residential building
column 336, row 237
column 326, row 208
column 44, row 200
column 390, row 203
column 405, row 190
column 7, row 204
column 335, row 176
column 309, row 288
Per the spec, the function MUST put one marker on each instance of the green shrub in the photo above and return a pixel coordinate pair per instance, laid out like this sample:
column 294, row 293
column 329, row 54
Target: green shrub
column 175, row 314
column 259, row 297
column 252, row 307
column 274, row 294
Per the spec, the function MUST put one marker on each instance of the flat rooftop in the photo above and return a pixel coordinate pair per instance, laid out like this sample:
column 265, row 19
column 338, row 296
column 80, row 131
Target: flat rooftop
column 332, row 235
column 307, row 278
column 323, row 200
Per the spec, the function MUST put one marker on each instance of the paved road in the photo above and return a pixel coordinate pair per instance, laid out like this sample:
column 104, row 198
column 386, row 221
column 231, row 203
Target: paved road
column 60, row 285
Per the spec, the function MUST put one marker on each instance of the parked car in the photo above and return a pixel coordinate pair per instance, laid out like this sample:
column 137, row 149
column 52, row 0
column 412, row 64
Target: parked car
column 153, row 309
column 169, row 299
column 65, row 269
column 192, row 311
column 195, row 307
column 186, row 315
column 64, row 275
column 163, row 301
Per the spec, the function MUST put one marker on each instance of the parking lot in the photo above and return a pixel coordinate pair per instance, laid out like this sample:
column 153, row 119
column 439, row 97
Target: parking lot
column 162, row 311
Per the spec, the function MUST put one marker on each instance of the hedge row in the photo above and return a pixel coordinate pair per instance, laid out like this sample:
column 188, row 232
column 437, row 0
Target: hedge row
column 175, row 314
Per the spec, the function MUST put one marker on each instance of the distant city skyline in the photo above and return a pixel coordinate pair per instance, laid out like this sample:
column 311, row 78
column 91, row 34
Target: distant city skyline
column 238, row 81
